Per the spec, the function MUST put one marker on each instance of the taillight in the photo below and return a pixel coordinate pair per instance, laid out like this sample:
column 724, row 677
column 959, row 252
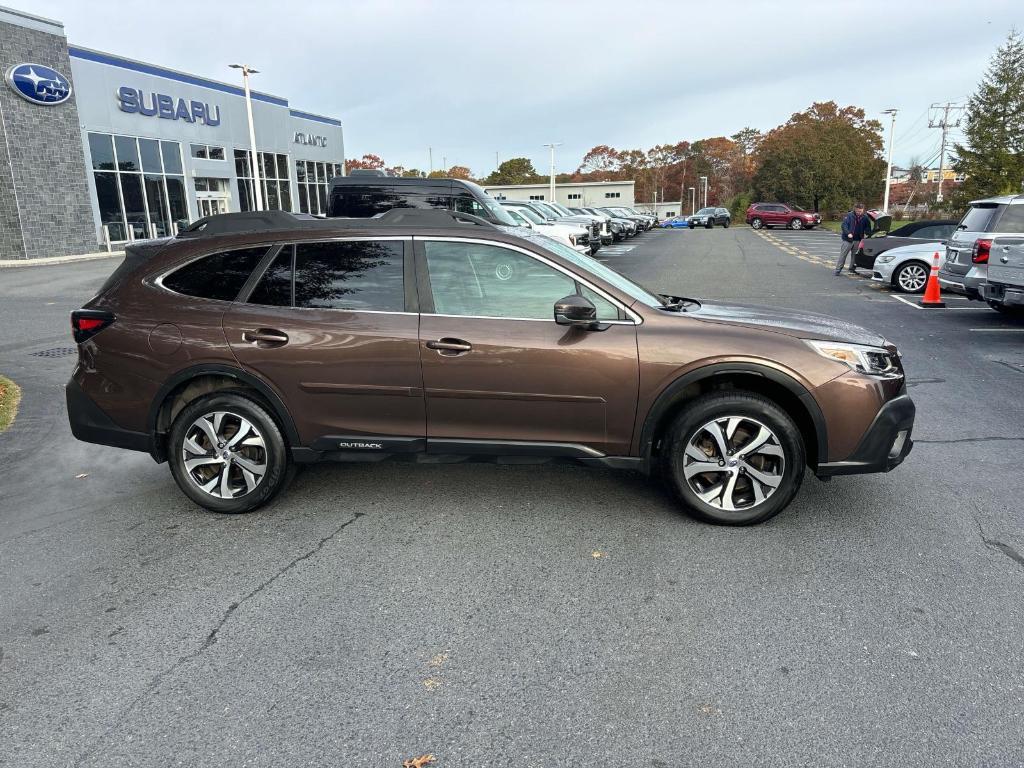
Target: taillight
column 979, row 254
column 86, row 323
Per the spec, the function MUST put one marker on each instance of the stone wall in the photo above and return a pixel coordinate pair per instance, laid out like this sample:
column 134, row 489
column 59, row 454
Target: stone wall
column 45, row 208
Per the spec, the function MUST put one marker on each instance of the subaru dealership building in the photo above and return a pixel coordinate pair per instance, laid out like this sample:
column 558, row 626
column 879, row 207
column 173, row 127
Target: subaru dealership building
column 96, row 147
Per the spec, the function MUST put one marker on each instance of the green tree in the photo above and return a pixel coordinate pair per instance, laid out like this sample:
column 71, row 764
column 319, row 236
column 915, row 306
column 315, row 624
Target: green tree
column 992, row 155
column 824, row 158
column 516, row 170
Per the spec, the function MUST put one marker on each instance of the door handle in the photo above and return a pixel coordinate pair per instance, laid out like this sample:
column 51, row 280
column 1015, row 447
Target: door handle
column 265, row 337
column 450, row 347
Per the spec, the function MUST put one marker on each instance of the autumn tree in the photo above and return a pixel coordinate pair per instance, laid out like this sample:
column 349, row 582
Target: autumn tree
column 367, row 162
column 460, row 172
column 825, row 158
column 516, row 170
column 600, row 159
column 992, row 155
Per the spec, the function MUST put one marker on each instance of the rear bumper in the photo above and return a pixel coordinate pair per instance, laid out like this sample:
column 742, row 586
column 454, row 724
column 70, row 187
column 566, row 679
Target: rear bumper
column 885, row 444
column 965, row 285
column 91, row 425
column 1010, row 296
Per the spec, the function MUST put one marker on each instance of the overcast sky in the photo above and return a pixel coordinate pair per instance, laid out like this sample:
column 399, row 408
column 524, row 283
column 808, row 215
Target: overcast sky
column 472, row 79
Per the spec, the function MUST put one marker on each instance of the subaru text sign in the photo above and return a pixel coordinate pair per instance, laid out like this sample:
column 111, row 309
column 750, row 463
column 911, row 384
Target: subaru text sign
column 39, row 84
column 134, row 101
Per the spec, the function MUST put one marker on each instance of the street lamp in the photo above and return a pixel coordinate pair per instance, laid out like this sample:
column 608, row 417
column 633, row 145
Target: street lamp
column 257, row 186
column 551, row 183
column 693, row 200
column 888, row 169
column 704, row 187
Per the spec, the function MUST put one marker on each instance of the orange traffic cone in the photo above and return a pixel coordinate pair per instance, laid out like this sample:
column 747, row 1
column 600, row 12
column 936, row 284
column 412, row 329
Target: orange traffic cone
column 932, row 296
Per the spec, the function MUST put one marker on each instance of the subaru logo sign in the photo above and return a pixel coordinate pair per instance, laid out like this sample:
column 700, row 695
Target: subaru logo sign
column 39, row 84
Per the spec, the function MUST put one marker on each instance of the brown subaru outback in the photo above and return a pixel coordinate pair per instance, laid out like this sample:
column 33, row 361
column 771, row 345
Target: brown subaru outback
column 254, row 342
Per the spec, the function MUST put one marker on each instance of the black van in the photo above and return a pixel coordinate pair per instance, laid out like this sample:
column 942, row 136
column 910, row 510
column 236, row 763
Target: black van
column 363, row 196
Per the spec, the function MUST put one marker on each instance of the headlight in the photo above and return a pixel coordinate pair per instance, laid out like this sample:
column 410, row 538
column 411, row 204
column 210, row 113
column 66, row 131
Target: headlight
column 874, row 361
column 885, row 258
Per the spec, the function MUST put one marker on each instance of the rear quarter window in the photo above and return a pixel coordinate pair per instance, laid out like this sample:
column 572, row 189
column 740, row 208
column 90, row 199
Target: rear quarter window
column 218, row 276
column 978, row 218
column 1011, row 220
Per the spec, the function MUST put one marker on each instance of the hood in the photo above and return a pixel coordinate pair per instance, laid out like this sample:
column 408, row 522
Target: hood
column 802, row 325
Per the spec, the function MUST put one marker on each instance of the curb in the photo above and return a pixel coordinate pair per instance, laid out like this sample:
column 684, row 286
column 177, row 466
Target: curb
column 51, row 260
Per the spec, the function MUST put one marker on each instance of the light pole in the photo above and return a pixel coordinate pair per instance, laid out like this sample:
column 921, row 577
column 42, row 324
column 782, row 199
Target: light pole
column 257, row 186
column 888, row 168
column 551, row 183
column 704, row 190
column 693, row 200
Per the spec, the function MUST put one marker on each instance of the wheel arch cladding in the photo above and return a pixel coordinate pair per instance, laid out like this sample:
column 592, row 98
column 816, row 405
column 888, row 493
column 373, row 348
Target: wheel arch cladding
column 197, row 381
column 786, row 392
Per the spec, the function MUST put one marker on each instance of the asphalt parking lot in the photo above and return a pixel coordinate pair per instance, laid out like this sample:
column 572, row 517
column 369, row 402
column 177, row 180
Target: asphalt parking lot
column 526, row 615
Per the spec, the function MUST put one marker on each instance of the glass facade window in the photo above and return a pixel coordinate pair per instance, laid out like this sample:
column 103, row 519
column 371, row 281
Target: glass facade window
column 314, row 180
column 274, row 181
column 140, row 186
column 207, row 152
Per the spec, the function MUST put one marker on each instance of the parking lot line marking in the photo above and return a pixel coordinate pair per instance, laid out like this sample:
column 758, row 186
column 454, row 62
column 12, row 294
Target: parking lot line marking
column 997, row 330
column 907, row 302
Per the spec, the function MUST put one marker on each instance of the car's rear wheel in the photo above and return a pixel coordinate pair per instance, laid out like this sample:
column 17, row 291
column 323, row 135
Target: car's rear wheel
column 710, row 224
column 726, row 224
column 227, row 454
column 1003, row 309
column 911, row 277
column 733, row 458
column 796, row 224
column 756, row 223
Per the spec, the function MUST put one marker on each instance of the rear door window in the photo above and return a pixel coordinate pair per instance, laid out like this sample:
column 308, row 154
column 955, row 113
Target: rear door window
column 218, row 276
column 366, row 275
column 1012, row 219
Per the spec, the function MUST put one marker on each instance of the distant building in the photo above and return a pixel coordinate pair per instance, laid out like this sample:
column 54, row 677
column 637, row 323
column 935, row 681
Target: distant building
column 573, row 195
column 928, row 176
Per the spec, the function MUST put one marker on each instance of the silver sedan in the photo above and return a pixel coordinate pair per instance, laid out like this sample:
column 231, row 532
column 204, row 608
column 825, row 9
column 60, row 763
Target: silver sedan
column 906, row 268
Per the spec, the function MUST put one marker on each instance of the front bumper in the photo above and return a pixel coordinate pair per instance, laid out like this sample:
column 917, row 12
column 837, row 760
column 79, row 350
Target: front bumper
column 91, row 425
column 885, row 444
column 883, row 272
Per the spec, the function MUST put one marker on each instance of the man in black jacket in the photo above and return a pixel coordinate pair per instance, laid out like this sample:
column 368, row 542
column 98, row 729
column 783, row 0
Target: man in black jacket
column 856, row 226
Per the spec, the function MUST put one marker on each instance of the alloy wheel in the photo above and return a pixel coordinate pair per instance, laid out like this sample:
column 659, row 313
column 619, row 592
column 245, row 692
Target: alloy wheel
column 756, row 223
column 224, row 455
column 734, row 463
column 912, row 278
column 796, row 224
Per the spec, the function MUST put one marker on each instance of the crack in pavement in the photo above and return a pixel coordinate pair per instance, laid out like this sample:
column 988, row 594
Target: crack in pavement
column 998, row 546
column 211, row 638
column 968, row 440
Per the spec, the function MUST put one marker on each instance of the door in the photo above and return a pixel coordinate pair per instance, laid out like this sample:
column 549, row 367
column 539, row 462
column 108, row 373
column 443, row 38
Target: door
column 499, row 372
column 332, row 326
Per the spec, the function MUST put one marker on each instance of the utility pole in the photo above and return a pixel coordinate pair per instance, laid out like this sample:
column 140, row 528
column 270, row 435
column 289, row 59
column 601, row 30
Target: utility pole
column 888, row 168
column 945, row 125
column 444, row 163
column 496, row 163
column 551, row 183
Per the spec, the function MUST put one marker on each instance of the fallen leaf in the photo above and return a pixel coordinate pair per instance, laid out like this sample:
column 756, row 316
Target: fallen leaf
column 79, row 477
column 431, row 683
column 598, row 553
column 418, row 762
column 440, row 659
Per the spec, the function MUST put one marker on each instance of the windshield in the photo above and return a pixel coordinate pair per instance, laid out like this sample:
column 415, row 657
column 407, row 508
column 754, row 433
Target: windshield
column 547, row 209
column 517, row 217
column 530, row 214
column 493, row 206
column 705, row 211
column 560, row 208
column 595, row 268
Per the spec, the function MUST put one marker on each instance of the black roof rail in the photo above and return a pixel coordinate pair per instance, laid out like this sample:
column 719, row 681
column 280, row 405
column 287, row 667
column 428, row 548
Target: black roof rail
column 262, row 221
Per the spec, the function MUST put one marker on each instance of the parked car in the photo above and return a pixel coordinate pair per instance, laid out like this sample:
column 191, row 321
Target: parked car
column 255, row 341
column 575, row 236
column 909, row 234
column 604, row 232
column 1004, row 286
column 676, row 222
column 907, row 267
column 639, row 221
column 614, row 226
column 628, row 226
column 767, row 215
column 362, row 196
column 710, row 218
column 554, row 216
column 967, row 251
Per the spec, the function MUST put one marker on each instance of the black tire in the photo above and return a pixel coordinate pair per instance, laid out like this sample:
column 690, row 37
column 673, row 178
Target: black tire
column 707, row 408
column 726, row 224
column 279, row 470
column 900, row 276
column 756, row 223
column 710, row 224
column 1003, row 309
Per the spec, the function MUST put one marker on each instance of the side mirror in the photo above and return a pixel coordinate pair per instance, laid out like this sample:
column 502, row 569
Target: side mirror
column 576, row 310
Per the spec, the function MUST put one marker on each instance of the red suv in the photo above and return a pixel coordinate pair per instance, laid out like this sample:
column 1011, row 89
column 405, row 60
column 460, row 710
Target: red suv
column 760, row 215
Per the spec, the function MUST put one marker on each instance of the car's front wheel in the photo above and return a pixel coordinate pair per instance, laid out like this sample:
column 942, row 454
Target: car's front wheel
column 733, row 458
column 726, row 224
column 911, row 277
column 796, row 224
column 756, row 223
column 227, row 454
